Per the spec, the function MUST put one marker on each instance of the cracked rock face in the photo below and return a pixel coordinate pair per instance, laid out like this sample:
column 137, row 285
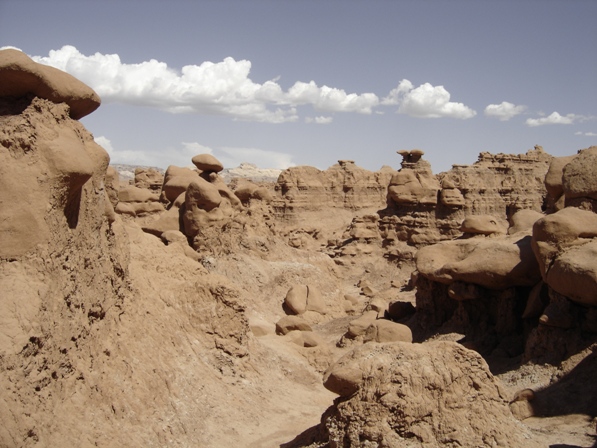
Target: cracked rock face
column 433, row 394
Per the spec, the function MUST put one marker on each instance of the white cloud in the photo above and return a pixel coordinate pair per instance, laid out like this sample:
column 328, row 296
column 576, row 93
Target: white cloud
column 319, row 120
column 588, row 134
column 553, row 118
column 504, row 111
column 221, row 88
column 426, row 101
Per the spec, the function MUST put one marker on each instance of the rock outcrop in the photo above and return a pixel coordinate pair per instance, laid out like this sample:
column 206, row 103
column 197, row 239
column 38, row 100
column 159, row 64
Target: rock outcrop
column 433, row 394
column 344, row 185
column 20, row 76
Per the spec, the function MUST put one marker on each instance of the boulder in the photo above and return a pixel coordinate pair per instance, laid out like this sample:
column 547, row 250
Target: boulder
column 553, row 233
column 358, row 327
column 553, row 178
column 383, row 330
column 494, row 263
column 482, row 225
column 291, row 323
column 523, row 220
column 574, row 274
column 201, row 194
column 207, row 162
column 302, row 298
column 579, row 176
column 432, row 394
column 176, row 181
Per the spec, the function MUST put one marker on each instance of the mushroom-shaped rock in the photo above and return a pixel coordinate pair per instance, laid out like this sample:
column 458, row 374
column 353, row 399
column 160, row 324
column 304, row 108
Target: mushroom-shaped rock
column 431, row 393
column 482, row 225
column 291, row 323
column 20, row 76
column 207, row 162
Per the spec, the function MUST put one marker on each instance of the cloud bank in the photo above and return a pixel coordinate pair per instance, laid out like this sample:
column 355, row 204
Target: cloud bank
column 504, row 111
column 222, row 88
column 426, row 101
column 225, row 88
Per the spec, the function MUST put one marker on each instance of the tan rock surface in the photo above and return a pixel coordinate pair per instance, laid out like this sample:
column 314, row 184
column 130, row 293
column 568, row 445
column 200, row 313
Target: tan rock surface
column 432, row 394
column 495, row 263
column 21, row 76
column 207, row 162
column 108, row 333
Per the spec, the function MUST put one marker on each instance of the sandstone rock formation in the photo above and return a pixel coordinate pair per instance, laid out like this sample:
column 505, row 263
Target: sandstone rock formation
column 21, row 76
column 135, row 201
column 302, row 298
column 424, row 209
column 156, row 325
column 434, row 394
column 344, row 185
column 149, row 178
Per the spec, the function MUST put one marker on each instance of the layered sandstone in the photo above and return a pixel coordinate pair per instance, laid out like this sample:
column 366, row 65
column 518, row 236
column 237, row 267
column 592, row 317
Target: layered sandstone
column 344, row 185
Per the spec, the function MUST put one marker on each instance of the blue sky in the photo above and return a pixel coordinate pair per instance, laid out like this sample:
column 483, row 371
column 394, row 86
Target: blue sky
column 281, row 83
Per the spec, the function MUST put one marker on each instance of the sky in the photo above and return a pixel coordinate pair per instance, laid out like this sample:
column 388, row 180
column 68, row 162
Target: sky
column 283, row 83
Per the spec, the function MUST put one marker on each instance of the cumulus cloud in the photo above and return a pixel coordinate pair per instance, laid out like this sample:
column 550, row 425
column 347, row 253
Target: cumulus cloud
column 331, row 99
column 504, row 111
column 553, row 118
column 319, row 120
column 426, row 101
column 220, row 88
